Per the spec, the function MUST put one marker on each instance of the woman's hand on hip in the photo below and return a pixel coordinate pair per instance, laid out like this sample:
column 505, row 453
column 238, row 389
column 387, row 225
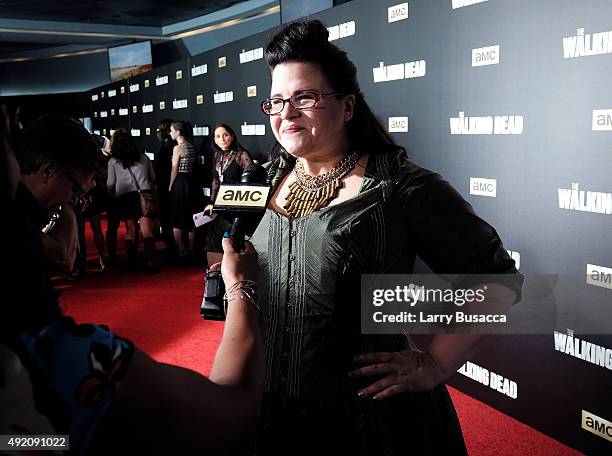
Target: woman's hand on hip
column 401, row 372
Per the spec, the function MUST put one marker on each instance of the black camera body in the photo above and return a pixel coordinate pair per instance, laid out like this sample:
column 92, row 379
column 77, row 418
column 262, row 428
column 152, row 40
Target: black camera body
column 212, row 307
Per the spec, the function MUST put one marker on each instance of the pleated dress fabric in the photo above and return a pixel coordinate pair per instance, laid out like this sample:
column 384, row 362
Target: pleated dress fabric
column 311, row 310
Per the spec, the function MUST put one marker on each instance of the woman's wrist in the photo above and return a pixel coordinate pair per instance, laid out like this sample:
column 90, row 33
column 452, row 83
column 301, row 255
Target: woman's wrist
column 449, row 351
column 242, row 301
column 245, row 290
column 236, row 280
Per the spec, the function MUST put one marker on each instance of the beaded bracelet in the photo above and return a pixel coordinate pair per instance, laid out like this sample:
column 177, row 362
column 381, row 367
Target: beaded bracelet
column 243, row 289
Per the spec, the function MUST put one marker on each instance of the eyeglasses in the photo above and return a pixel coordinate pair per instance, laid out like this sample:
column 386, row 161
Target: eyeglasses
column 302, row 100
column 79, row 193
column 77, row 189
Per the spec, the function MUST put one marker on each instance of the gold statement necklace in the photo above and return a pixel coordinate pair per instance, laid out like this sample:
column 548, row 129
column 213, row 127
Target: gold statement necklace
column 308, row 194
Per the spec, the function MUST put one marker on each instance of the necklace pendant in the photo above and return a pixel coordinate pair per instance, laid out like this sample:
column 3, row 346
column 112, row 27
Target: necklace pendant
column 309, row 194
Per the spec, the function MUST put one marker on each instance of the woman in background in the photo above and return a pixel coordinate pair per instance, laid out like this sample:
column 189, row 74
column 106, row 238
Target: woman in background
column 128, row 170
column 183, row 192
column 229, row 161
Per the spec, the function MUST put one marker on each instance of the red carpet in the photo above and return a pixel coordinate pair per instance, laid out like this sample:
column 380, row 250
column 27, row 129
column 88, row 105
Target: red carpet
column 160, row 314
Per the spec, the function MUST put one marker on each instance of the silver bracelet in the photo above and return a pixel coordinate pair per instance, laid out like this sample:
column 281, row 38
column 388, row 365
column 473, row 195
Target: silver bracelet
column 243, row 289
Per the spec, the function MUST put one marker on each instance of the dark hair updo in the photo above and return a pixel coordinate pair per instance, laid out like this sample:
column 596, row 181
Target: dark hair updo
column 307, row 41
column 183, row 127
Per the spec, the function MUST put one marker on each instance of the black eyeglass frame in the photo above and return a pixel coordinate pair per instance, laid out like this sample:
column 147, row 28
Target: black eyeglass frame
column 83, row 194
column 291, row 99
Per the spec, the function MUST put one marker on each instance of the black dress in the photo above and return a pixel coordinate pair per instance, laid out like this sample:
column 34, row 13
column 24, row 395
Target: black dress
column 183, row 195
column 310, row 310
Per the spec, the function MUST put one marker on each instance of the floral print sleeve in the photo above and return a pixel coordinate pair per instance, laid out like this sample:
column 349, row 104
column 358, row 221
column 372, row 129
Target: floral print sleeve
column 75, row 371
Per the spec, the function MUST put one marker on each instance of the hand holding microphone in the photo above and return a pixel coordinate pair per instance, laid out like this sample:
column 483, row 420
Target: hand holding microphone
column 244, row 203
column 238, row 266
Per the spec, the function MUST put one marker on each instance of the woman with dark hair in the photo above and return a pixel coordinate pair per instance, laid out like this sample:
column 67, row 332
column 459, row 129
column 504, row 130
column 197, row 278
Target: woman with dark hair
column 229, row 161
column 230, row 156
column 163, row 169
column 128, row 171
column 183, row 192
column 347, row 201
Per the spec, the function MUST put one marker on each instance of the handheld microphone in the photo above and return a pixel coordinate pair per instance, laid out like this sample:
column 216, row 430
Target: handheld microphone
column 245, row 203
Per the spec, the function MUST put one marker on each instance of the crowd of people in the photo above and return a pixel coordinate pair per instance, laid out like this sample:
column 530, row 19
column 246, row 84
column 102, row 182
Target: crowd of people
column 185, row 181
column 294, row 374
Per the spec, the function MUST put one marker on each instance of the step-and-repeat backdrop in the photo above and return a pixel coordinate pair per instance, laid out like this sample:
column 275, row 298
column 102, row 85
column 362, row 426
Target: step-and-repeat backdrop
column 511, row 101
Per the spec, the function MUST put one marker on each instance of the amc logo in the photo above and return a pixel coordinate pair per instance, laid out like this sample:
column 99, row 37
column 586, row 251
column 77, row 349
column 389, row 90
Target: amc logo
column 599, row 276
column 250, row 196
column 397, row 12
column 398, row 124
column 483, row 187
column 485, row 56
column 597, row 425
column 242, row 195
column 602, row 119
